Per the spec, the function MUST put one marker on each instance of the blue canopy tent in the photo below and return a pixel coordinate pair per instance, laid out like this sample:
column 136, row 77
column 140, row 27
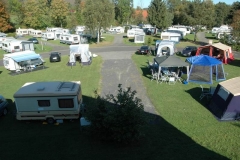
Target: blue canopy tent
column 203, row 68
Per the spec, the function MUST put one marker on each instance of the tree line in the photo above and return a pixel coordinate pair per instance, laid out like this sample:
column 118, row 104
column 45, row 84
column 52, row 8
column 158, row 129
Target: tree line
column 39, row 14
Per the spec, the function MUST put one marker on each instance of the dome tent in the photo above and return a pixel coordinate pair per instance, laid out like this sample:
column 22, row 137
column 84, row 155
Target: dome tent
column 203, row 68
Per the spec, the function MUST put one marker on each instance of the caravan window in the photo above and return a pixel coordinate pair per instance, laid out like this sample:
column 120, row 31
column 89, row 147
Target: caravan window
column 223, row 93
column 43, row 103
column 65, row 103
column 16, row 47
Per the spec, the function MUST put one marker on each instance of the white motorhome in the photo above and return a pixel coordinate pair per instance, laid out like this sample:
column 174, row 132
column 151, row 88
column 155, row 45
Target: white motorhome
column 14, row 45
column 70, row 39
column 132, row 32
column 2, row 37
column 48, row 101
column 48, row 36
column 22, row 61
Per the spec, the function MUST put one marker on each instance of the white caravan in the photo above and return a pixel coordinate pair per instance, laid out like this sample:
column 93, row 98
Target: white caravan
column 36, row 33
column 175, row 30
column 132, row 32
column 48, row 36
column 80, row 52
column 70, row 39
column 116, row 30
column 25, row 60
column 171, row 36
column 14, row 45
column 139, row 38
column 2, row 37
column 79, row 29
column 23, row 31
column 50, row 101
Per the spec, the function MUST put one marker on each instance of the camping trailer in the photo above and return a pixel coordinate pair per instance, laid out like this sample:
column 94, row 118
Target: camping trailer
column 171, row 36
column 13, row 45
column 25, row 60
column 132, row 32
column 48, row 101
column 80, row 52
column 48, row 36
column 36, row 33
column 225, row 102
column 70, row 39
column 139, row 38
column 2, row 37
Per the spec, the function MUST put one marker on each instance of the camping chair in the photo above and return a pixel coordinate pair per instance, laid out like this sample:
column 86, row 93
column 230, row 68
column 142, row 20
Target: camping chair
column 178, row 77
column 154, row 75
column 163, row 78
column 205, row 93
column 171, row 81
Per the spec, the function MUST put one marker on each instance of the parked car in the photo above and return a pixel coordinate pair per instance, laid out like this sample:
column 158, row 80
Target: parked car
column 55, row 57
column 144, row 50
column 34, row 40
column 3, row 106
column 189, row 51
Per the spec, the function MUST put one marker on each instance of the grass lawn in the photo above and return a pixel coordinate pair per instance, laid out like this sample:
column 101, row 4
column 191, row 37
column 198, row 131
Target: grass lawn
column 180, row 106
column 211, row 37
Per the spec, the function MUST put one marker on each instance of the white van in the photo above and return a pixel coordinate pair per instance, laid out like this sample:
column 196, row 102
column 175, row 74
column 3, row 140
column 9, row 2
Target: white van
column 49, row 101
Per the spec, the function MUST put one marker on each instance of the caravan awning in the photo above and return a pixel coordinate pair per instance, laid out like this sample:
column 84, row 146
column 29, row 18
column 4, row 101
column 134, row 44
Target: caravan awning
column 25, row 57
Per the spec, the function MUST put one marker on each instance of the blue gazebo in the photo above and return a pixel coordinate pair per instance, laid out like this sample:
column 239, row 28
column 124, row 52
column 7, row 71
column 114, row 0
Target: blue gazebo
column 204, row 68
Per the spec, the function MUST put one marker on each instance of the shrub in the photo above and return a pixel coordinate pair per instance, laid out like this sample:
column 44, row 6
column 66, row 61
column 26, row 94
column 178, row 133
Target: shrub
column 117, row 118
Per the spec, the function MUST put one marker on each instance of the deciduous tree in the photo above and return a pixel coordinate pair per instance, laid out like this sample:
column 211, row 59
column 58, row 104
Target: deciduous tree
column 98, row 14
column 221, row 12
column 4, row 18
column 123, row 10
column 58, row 12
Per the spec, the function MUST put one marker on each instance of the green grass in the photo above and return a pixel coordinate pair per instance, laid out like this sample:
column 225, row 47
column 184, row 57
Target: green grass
column 212, row 37
column 180, row 106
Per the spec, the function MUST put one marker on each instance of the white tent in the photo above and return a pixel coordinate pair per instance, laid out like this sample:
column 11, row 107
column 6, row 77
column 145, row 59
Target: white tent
column 81, row 51
column 166, row 48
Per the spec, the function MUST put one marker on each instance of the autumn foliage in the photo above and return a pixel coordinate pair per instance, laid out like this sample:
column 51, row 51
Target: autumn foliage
column 4, row 18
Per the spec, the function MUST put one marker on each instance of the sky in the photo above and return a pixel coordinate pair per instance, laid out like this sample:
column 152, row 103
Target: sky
column 146, row 3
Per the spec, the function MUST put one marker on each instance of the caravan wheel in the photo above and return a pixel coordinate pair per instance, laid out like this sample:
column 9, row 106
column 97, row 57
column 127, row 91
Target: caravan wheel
column 50, row 120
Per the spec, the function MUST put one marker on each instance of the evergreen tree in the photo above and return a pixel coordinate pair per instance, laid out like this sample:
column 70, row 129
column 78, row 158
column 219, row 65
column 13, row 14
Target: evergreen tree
column 158, row 14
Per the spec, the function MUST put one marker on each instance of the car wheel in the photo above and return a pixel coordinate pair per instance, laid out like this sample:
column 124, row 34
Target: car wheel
column 5, row 111
column 50, row 120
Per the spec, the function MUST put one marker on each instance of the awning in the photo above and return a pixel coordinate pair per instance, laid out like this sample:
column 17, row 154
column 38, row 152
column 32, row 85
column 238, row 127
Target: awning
column 25, row 57
column 220, row 46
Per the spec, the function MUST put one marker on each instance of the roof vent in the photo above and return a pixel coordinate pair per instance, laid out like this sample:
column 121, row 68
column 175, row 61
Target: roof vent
column 40, row 88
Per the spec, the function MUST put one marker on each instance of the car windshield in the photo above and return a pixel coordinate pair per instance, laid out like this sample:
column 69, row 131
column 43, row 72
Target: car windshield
column 54, row 53
column 144, row 47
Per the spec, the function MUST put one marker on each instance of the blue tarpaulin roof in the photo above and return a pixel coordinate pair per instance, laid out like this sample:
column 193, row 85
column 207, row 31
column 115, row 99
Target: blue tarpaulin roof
column 23, row 56
column 203, row 60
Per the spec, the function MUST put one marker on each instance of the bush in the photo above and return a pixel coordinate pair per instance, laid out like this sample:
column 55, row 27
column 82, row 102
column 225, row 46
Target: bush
column 117, row 118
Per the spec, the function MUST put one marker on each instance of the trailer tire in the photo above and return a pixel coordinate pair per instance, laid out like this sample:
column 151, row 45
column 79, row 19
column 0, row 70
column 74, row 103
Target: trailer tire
column 50, row 120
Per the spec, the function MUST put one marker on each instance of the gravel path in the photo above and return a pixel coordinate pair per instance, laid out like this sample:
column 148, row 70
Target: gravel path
column 118, row 68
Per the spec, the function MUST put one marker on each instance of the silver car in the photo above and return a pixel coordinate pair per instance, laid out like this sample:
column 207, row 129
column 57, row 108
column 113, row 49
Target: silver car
column 189, row 51
column 3, row 106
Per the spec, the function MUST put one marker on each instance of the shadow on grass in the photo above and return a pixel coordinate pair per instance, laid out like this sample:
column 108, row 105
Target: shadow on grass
column 161, row 141
column 235, row 62
column 1, row 72
column 195, row 93
column 14, row 73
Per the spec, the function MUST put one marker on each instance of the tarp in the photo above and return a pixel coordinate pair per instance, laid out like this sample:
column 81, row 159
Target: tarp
column 24, row 56
column 203, row 60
